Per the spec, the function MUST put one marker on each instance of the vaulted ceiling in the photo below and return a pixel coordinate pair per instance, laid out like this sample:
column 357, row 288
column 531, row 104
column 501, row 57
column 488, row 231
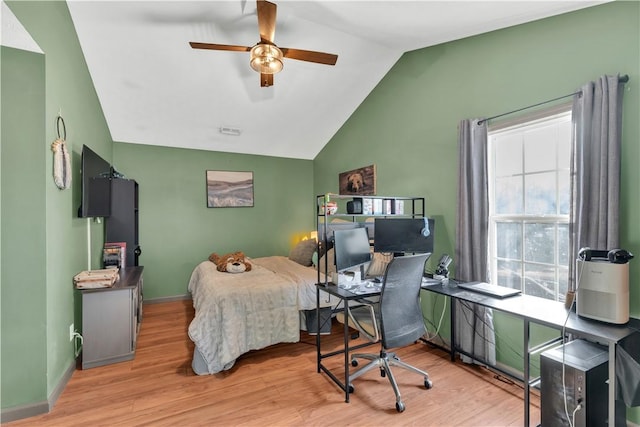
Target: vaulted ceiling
column 155, row 89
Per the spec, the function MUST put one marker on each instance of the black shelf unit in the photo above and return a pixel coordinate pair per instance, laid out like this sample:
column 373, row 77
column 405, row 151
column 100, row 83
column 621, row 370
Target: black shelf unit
column 122, row 224
column 412, row 207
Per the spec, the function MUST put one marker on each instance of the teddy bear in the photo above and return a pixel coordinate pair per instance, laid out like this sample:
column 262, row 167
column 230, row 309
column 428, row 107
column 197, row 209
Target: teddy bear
column 231, row 263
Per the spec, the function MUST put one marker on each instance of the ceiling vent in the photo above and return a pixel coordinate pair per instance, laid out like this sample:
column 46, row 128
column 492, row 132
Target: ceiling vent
column 227, row 130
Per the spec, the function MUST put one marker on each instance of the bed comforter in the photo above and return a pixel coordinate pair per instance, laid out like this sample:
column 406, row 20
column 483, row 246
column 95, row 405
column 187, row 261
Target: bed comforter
column 236, row 313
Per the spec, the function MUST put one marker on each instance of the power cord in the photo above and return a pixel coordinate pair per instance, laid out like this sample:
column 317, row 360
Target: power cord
column 571, row 419
column 498, row 338
column 573, row 414
column 77, row 349
column 437, row 331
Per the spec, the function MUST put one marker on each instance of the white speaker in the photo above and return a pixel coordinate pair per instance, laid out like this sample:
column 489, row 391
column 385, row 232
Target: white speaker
column 602, row 291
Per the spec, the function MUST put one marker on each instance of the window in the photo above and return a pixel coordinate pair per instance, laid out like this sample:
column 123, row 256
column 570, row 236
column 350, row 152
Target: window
column 529, row 193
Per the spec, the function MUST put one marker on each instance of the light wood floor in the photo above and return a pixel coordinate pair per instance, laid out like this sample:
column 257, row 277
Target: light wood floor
column 277, row 386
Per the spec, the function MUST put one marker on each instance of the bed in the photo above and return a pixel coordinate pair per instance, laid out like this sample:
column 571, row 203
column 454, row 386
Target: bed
column 236, row 313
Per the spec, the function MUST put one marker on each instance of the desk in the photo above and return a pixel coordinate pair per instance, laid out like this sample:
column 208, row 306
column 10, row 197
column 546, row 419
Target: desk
column 545, row 312
column 345, row 297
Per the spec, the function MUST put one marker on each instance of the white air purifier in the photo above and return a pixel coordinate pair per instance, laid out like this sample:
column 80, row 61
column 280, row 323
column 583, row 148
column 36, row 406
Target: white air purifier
column 602, row 291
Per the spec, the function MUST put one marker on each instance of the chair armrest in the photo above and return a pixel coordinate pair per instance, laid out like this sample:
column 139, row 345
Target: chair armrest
column 370, row 320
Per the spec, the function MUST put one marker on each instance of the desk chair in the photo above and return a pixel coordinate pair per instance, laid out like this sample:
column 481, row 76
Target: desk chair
column 395, row 321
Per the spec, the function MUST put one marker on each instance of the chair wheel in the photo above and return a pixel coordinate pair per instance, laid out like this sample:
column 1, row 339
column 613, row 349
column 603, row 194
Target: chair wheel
column 351, row 389
column 354, row 362
column 428, row 384
column 400, row 406
column 383, row 373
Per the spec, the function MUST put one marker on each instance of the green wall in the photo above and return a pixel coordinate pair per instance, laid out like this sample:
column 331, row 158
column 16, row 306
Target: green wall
column 44, row 243
column 178, row 231
column 22, row 223
column 407, row 126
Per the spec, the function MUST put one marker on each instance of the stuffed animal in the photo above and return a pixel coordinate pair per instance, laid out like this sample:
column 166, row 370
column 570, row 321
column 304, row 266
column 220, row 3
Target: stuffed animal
column 231, row 263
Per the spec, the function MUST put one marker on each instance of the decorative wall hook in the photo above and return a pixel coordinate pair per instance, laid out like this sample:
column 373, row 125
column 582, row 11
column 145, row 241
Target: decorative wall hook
column 61, row 157
column 60, row 122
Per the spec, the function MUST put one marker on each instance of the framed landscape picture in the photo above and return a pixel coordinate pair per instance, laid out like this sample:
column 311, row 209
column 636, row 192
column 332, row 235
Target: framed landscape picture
column 361, row 181
column 229, row 189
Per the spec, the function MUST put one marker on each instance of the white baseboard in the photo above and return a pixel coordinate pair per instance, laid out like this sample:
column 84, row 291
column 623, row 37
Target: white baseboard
column 513, row 372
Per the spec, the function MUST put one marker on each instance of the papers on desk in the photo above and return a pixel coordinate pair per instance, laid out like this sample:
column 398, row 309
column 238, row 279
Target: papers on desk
column 363, row 287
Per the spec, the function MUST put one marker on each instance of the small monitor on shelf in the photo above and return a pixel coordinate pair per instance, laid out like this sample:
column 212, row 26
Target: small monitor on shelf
column 351, row 248
column 403, row 235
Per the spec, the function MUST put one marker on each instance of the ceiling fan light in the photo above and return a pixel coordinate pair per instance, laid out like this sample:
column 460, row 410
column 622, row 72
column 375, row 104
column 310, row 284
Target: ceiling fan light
column 266, row 58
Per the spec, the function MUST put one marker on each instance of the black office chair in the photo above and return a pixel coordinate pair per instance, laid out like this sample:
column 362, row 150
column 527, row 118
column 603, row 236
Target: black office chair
column 395, row 321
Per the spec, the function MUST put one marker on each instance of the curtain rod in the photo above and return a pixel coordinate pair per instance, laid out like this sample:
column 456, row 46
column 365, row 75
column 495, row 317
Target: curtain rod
column 622, row 79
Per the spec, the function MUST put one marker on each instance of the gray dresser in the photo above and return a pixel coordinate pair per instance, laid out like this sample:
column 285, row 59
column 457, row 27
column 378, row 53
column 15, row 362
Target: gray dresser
column 111, row 320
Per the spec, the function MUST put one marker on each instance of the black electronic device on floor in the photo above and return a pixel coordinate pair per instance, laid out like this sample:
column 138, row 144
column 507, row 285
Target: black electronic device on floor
column 585, row 382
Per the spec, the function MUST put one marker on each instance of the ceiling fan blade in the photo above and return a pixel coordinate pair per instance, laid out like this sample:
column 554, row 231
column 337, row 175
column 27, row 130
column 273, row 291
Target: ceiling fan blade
column 212, row 46
column 310, row 56
column 266, row 20
column 266, row 80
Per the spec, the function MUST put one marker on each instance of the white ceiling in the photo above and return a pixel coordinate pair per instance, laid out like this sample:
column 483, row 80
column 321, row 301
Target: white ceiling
column 155, row 89
column 12, row 33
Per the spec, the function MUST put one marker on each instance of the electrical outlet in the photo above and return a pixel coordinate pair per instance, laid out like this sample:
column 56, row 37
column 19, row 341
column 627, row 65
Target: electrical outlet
column 72, row 331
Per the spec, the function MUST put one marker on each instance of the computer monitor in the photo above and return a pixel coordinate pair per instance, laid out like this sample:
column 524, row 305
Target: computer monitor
column 351, row 247
column 328, row 229
column 402, row 235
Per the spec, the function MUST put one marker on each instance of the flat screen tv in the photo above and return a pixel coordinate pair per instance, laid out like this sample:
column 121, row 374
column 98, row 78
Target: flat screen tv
column 351, row 248
column 96, row 185
column 402, row 235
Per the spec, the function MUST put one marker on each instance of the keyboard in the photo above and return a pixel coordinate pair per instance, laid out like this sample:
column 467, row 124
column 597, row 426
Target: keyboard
column 495, row 291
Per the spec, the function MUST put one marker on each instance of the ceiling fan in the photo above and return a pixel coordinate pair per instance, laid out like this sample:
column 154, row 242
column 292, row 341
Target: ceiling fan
column 266, row 57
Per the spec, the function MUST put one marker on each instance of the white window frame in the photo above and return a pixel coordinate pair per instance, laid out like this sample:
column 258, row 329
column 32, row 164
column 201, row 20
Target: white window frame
column 525, row 123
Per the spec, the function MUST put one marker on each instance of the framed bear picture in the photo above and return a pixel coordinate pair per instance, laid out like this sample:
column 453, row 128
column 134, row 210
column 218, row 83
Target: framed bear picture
column 359, row 182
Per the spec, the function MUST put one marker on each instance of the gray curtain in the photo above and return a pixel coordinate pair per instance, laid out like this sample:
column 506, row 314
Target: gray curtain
column 595, row 167
column 474, row 325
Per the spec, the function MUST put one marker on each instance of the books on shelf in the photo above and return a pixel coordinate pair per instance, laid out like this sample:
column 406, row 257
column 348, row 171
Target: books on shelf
column 367, row 206
column 92, row 279
column 382, row 206
column 114, row 254
column 387, row 206
column 377, row 206
column 398, row 209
